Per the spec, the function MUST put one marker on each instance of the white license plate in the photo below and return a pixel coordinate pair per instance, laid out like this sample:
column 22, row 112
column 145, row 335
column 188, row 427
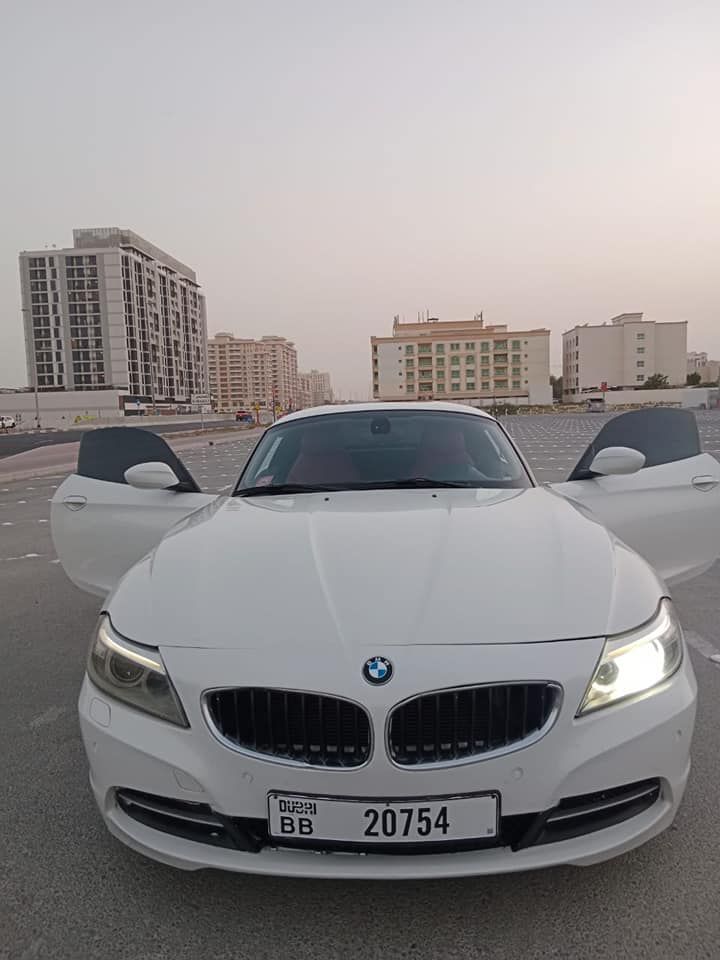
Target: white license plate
column 440, row 819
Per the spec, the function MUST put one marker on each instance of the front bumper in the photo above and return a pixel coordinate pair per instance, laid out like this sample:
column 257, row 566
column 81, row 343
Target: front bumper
column 643, row 740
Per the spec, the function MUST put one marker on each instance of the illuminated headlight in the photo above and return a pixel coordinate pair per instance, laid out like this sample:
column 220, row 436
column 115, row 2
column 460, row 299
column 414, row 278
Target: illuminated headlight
column 636, row 661
column 133, row 673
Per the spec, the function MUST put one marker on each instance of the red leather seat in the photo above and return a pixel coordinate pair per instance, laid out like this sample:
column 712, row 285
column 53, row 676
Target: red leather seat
column 322, row 460
column 442, row 446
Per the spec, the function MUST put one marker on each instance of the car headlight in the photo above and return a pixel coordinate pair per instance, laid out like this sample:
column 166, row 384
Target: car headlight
column 133, row 673
column 636, row 661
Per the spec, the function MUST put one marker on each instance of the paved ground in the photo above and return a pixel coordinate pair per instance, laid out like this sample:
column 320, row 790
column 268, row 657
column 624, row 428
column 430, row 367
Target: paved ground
column 68, row 890
column 17, row 442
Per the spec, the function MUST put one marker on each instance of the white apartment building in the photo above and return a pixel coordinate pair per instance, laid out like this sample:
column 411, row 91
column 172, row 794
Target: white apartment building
column 622, row 354
column 315, row 388
column 246, row 373
column 113, row 312
column 462, row 360
column 709, row 370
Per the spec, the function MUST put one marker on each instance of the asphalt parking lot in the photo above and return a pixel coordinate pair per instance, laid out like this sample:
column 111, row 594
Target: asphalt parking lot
column 17, row 441
column 69, row 890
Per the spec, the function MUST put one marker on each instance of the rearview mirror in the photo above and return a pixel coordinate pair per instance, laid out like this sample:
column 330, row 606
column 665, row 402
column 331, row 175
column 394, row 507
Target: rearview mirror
column 151, row 476
column 617, row 460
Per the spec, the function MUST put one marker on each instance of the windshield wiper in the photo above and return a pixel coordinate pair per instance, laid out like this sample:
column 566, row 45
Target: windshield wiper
column 271, row 490
column 407, row 483
column 410, row 483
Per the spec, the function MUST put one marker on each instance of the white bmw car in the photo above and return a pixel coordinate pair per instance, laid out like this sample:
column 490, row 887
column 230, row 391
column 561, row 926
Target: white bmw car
column 390, row 652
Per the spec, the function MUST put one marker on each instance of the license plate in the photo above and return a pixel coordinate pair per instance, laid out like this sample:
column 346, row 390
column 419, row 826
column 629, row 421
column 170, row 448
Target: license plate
column 440, row 819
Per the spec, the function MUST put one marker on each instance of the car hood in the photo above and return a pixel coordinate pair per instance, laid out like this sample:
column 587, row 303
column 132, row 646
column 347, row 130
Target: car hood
column 382, row 568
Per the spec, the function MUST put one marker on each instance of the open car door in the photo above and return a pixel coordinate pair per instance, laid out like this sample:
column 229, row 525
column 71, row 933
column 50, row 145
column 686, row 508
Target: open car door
column 101, row 525
column 669, row 510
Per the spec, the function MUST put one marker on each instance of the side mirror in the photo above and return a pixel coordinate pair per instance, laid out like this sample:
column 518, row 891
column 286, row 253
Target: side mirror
column 617, row 460
column 151, row 476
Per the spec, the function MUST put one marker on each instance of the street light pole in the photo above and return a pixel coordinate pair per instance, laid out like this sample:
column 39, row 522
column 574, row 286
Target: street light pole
column 26, row 313
column 37, row 396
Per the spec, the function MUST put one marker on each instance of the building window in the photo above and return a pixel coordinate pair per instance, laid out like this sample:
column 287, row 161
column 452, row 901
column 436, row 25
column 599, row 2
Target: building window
column 409, row 363
column 424, row 348
column 484, row 347
column 639, row 363
column 516, row 358
column 454, row 346
column 640, row 336
column 640, row 378
column 439, row 348
column 409, row 388
column 456, row 388
column 516, row 371
column 425, row 362
column 501, row 384
column 455, row 374
column 501, row 344
column 516, row 384
column 409, row 349
column 455, row 361
column 640, row 350
column 426, row 387
column 485, row 385
column 516, row 344
column 470, row 385
column 470, row 345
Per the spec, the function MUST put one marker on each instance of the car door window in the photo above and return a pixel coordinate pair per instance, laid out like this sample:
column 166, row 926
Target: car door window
column 107, row 453
column 663, row 435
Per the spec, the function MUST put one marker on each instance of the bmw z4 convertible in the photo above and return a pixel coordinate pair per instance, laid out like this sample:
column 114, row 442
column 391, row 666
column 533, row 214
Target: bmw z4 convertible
column 390, row 652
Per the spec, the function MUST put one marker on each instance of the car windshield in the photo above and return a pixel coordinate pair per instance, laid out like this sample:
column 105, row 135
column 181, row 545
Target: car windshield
column 382, row 449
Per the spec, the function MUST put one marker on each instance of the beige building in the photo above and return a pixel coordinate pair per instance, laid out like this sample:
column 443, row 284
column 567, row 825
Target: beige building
column 246, row 373
column 462, row 360
column 709, row 370
column 114, row 312
column 315, row 388
column 622, row 353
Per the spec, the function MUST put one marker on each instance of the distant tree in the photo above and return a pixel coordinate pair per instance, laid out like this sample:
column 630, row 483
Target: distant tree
column 693, row 379
column 557, row 387
column 656, row 382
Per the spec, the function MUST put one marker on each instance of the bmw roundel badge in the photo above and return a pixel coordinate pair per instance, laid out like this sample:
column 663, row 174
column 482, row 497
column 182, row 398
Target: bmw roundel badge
column 377, row 670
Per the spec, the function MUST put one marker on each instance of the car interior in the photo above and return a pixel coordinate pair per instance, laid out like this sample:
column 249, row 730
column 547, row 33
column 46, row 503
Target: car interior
column 373, row 448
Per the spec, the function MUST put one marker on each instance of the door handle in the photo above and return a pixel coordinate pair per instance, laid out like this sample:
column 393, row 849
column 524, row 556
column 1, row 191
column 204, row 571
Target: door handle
column 75, row 502
column 705, row 483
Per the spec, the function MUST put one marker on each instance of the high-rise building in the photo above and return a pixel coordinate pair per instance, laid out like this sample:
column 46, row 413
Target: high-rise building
column 622, row 353
column 247, row 373
column 114, row 312
column 464, row 361
column 315, row 388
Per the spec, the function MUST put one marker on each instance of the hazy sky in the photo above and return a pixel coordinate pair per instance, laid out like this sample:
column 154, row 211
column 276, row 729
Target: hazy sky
column 325, row 164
